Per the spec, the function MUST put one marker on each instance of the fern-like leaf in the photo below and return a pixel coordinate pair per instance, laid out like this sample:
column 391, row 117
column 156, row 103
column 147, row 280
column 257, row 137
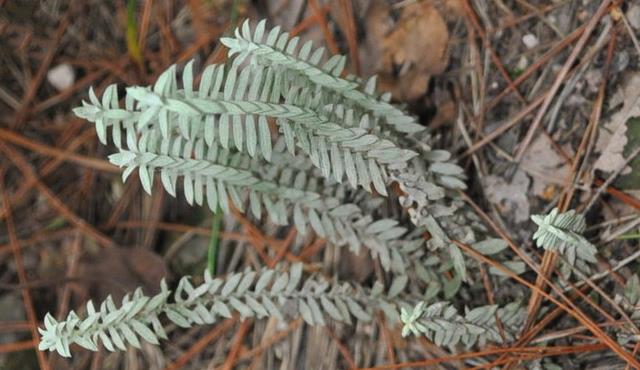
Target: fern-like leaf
column 228, row 113
column 441, row 323
column 247, row 294
column 277, row 49
column 338, row 123
column 344, row 129
column 223, row 179
column 562, row 232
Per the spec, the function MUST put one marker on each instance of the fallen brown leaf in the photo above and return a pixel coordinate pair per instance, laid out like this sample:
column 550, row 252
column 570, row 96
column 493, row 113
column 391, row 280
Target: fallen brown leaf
column 545, row 166
column 420, row 38
column 612, row 137
column 408, row 53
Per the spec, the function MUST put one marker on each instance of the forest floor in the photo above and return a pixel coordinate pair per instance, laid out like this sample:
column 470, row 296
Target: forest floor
column 538, row 100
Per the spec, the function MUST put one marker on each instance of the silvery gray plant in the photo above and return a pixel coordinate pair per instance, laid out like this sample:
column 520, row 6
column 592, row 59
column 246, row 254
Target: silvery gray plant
column 278, row 133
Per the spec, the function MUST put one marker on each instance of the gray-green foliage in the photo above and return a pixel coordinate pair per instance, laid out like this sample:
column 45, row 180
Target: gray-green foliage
column 275, row 48
column 562, row 232
column 267, row 293
column 237, row 112
column 631, row 295
column 630, row 301
column 280, row 134
column 442, row 324
column 437, row 270
column 286, row 194
column 338, row 124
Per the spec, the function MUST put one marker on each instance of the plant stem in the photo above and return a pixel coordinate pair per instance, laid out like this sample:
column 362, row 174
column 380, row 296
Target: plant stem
column 212, row 255
column 629, row 236
column 233, row 21
column 214, row 240
column 132, row 33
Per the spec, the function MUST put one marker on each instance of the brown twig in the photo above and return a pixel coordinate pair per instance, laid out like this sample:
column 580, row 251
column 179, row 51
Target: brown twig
column 93, row 163
column 348, row 25
column 386, row 337
column 619, row 195
column 322, row 21
column 471, row 15
column 257, row 351
column 535, row 66
column 589, row 28
column 538, row 352
column 40, row 237
column 145, row 21
column 22, row 275
column 201, row 344
column 27, row 171
column 237, row 343
column 154, row 216
column 34, row 85
column 344, row 351
column 568, row 306
column 69, row 91
column 17, row 346
column 308, row 22
column 180, row 228
column 511, row 122
column 6, row 326
column 549, row 257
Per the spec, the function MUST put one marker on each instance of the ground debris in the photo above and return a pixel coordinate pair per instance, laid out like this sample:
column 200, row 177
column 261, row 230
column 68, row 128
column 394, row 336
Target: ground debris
column 510, row 197
column 612, row 137
column 407, row 52
column 545, row 166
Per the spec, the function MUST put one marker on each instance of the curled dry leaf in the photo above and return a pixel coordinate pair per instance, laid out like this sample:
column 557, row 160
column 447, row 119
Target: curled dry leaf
column 631, row 181
column 547, row 168
column 633, row 16
column 416, row 46
column 612, row 137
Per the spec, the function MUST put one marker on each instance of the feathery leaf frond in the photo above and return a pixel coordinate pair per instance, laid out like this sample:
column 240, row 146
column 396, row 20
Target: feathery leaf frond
column 441, row 323
column 228, row 113
column 278, row 136
column 214, row 175
column 562, row 232
column 277, row 49
column 248, row 294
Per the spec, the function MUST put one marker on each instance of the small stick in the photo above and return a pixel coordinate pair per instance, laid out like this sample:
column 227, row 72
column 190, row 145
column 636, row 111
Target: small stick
column 612, row 177
column 589, row 28
column 22, row 274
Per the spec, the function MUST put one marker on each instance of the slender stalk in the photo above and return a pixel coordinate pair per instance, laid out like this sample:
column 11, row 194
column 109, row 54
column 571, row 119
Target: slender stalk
column 629, row 236
column 233, row 21
column 132, row 33
column 214, row 240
